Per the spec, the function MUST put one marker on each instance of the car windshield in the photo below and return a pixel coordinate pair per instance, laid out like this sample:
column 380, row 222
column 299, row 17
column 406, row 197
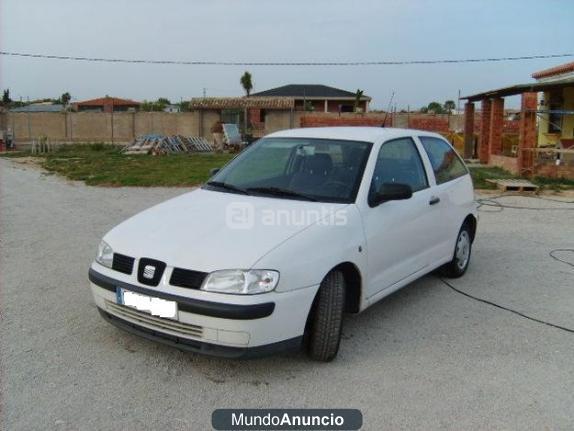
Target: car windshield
column 324, row 170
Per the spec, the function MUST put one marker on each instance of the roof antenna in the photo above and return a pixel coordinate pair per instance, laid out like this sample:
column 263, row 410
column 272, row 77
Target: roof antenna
column 389, row 107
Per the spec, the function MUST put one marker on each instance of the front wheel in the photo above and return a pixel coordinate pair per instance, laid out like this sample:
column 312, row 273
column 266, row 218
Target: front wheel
column 326, row 320
column 462, row 250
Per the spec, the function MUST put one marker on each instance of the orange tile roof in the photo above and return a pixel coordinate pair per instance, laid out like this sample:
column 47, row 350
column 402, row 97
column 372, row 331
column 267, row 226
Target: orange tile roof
column 116, row 101
column 557, row 70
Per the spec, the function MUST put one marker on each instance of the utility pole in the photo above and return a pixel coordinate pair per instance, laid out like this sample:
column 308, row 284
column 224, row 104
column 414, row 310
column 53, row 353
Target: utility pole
column 28, row 117
column 112, row 118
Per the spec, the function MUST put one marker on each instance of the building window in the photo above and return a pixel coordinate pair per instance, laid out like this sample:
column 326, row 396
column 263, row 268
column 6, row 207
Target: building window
column 554, row 119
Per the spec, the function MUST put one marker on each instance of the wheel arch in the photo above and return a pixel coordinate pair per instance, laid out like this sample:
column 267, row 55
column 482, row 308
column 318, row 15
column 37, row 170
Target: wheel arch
column 353, row 285
column 470, row 221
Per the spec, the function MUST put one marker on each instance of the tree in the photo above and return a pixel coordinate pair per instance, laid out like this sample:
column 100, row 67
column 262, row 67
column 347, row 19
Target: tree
column 449, row 105
column 65, row 98
column 185, row 106
column 247, row 83
column 358, row 97
column 6, row 97
column 435, row 107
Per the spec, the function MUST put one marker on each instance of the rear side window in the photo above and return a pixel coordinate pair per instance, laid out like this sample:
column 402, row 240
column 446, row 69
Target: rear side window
column 446, row 164
column 399, row 161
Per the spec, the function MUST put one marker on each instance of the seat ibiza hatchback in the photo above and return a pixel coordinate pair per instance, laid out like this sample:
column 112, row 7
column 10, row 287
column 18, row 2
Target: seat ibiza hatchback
column 299, row 228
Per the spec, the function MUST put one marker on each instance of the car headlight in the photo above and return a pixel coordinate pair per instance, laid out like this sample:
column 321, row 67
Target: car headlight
column 243, row 282
column 105, row 254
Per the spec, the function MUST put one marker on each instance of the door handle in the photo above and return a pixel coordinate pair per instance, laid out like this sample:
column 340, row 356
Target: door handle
column 434, row 200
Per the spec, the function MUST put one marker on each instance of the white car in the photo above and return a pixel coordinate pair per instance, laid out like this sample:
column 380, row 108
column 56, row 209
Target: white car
column 299, row 228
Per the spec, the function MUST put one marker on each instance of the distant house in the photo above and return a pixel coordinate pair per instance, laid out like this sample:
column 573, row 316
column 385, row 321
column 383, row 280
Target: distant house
column 106, row 104
column 172, row 108
column 39, row 107
column 320, row 98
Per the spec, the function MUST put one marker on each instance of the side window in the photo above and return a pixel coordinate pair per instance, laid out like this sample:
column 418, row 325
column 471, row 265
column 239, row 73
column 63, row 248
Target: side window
column 399, row 161
column 446, row 164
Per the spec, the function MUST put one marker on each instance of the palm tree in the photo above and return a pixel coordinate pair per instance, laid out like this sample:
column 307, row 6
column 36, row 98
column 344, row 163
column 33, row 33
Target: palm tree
column 358, row 97
column 247, row 83
column 449, row 105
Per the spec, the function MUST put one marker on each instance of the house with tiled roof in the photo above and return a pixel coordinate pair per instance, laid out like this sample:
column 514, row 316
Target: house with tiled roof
column 318, row 98
column 254, row 115
column 106, row 104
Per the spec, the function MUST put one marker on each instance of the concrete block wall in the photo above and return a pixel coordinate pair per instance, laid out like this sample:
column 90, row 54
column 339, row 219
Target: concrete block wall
column 106, row 127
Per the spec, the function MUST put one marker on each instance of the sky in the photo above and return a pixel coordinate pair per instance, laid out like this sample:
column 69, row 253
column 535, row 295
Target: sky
column 265, row 30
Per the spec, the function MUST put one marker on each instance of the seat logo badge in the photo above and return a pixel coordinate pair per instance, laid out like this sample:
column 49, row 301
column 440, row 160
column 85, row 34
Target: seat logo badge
column 149, row 272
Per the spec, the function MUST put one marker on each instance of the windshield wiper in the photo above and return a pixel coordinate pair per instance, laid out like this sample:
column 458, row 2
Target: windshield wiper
column 227, row 186
column 276, row 191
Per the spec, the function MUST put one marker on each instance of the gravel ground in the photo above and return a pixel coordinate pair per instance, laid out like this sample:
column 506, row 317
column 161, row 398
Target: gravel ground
column 425, row 358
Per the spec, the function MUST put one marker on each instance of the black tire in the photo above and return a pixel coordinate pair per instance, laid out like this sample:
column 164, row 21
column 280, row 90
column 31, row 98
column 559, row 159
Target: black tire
column 326, row 320
column 461, row 258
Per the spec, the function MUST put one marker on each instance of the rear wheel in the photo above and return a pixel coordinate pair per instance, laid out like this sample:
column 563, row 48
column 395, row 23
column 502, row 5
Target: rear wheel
column 326, row 320
column 462, row 250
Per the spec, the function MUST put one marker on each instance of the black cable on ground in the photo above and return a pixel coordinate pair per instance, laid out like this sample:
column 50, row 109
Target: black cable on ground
column 492, row 202
column 502, row 307
column 557, row 250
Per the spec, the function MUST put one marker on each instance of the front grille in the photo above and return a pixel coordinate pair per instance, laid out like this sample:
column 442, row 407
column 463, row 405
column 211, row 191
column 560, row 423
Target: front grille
column 187, row 278
column 172, row 326
column 123, row 263
column 150, row 271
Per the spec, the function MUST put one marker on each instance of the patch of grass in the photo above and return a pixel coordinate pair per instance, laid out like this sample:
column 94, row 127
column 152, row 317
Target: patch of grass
column 481, row 174
column 105, row 165
column 555, row 184
column 15, row 154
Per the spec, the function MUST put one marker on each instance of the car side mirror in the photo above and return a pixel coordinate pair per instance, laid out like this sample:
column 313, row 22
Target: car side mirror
column 392, row 192
column 213, row 171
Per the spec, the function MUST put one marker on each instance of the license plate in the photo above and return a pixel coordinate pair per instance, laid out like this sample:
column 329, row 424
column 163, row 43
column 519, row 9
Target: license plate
column 147, row 304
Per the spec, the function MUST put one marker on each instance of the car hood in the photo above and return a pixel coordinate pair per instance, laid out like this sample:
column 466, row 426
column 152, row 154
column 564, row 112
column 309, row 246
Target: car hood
column 207, row 230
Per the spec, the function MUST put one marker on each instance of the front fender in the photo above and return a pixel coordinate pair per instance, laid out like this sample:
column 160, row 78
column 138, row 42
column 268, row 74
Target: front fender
column 304, row 259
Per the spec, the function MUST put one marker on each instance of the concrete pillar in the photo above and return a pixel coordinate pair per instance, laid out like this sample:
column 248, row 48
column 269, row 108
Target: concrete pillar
column 496, row 126
column 468, row 130
column 483, row 146
column 527, row 133
column 326, row 105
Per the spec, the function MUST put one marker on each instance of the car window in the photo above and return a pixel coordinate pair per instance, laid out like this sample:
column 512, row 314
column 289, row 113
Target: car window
column 446, row 164
column 399, row 161
column 326, row 170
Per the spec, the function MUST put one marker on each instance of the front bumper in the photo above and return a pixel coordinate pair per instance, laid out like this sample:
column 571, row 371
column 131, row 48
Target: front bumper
column 233, row 326
column 202, row 347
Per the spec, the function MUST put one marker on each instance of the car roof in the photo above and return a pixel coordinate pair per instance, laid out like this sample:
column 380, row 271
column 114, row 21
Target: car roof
column 366, row 134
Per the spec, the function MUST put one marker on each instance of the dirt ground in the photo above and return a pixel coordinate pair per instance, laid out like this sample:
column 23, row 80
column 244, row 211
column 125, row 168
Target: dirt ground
column 425, row 358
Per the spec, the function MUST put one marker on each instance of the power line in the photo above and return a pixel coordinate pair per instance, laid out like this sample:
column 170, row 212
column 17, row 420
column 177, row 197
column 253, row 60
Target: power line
column 282, row 63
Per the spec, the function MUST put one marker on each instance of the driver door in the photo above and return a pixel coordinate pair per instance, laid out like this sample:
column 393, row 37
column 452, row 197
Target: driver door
column 399, row 232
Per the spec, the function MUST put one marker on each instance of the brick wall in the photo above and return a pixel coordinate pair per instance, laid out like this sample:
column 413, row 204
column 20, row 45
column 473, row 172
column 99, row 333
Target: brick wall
column 353, row 120
column 507, row 163
column 430, row 123
column 554, row 171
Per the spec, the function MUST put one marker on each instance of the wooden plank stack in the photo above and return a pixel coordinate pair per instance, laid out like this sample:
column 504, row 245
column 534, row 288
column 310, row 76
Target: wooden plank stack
column 162, row 144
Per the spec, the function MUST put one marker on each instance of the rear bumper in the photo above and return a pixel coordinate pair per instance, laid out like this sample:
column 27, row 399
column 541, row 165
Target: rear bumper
column 202, row 347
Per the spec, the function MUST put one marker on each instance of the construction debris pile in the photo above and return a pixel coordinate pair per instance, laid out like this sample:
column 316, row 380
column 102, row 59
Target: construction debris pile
column 162, row 144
